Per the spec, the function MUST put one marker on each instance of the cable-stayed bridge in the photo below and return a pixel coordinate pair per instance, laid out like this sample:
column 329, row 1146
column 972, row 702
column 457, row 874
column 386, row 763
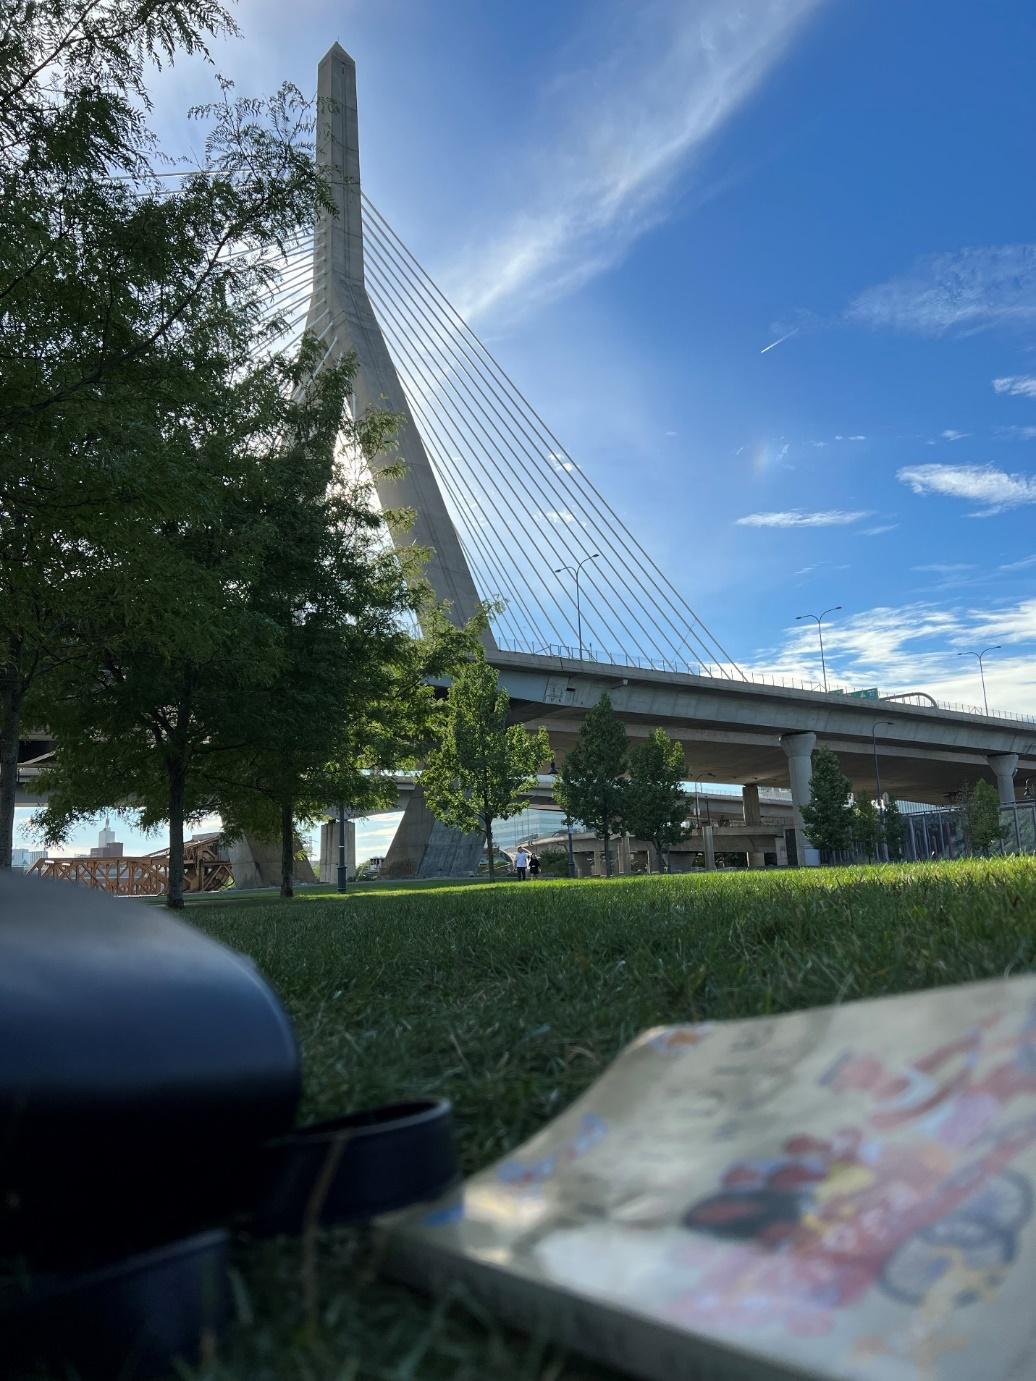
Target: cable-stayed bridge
column 580, row 605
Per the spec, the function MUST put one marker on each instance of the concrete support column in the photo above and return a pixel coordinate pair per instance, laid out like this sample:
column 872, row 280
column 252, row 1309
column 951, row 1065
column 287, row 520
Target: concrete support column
column 756, row 858
column 750, row 801
column 329, row 850
column 709, row 847
column 424, row 847
column 1004, row 766
column 798, row 749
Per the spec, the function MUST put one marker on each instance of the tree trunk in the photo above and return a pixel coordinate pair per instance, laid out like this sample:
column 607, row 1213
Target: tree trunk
column 607, row 856
column 489, row 846
column 10, row 722
column 287, row 849
column 177, row 800
column 660, row 855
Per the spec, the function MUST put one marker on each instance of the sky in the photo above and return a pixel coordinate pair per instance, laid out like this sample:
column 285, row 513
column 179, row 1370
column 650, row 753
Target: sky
column 767, row 267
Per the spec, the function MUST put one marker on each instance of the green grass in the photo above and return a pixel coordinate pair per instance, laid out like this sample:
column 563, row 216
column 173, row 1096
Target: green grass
column 511, row 998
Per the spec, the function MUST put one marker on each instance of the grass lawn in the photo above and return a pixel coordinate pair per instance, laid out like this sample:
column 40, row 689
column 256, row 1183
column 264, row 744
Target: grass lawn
column 511, row 998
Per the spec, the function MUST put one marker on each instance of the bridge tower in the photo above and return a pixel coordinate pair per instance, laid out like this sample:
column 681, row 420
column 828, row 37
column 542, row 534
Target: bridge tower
column 341, row 311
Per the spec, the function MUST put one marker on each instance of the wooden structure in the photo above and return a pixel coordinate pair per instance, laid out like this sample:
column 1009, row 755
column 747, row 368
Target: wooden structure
column 204, row 870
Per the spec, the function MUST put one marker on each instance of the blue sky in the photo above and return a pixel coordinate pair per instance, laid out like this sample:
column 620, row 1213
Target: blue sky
column 631, row 201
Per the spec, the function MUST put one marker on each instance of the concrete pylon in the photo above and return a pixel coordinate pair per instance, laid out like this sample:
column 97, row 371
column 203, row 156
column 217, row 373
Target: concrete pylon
column 329, row 850
column 424, row 847
column 1004, row 766
column 341, row 312
column 798, row 749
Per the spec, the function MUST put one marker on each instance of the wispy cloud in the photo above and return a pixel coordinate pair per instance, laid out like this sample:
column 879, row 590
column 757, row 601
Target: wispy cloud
column 995, row 490
column 877, row 531
column 965, row 291
column 950, row 434
column 833, row 517
column 858, row 437
column 946, row 567
column 914, row 647
column 1017, row 433
column 1026, row 563
column 622, row 130
column 780, row 340
column 1019, row 385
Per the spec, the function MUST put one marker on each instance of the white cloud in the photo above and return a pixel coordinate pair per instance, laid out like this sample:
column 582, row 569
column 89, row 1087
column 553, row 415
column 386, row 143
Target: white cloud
column 835, row 517
column 1023, row 565
column 994, row 489
column 914, row 647
column 1017, row 385
column 560, row 461
column 623, row 128
column 967, row 290
column 951, row 435
column 848, row 438
column 946, row 568
column 1017, row 433
column 877, row 531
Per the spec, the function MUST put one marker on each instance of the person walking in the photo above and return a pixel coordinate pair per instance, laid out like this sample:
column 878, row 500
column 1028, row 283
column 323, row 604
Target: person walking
column 534, row 865
column 521, row 863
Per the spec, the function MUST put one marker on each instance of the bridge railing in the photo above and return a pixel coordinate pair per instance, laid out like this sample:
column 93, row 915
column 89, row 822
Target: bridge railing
column 714, row 672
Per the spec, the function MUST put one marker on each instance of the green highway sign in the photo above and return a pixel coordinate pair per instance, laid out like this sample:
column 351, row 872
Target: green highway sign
column 870, row 694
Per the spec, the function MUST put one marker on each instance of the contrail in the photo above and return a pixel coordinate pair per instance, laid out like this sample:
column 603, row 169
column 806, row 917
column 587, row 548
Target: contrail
column 780, row 340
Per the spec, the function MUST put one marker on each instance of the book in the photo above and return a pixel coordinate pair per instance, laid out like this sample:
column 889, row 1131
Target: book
column 844, row 1192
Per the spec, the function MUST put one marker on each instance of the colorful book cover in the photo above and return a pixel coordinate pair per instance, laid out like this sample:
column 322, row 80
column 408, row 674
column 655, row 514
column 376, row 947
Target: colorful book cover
column 842, row 1193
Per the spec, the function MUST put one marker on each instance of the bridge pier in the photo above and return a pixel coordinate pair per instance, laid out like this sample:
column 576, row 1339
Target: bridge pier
column 329, row 850
column 798, row 749
column 424, row 847
column 1004, row 766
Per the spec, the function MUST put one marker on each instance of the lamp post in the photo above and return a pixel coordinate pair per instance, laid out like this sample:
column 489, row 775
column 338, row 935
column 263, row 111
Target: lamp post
column 343, row 867
column 575, row 570
column 981, row 671
column 818, row 620
column 878, row 724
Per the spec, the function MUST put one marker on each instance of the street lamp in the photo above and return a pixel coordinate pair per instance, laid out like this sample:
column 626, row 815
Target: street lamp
column 575, row 570
column 878, row 724
column 979, row 655
column 818, row 619
column 343, row 867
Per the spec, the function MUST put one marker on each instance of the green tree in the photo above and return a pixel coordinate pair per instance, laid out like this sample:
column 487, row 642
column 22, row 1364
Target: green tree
column 178, row 641
column 866, row 825
column 892, row 829
column 120, row 305
column 656, row 807
column 829, row 816
column 982, row 817
column 481, row 767
column 591, row 784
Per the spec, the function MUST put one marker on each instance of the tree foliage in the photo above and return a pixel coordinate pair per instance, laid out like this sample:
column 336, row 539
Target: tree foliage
column 828, row 817
column 866, row 825
column 892, row 829
column 656, row 807
column 591, row 784
column 481, row 767
column 982, row 817
column 127, row 301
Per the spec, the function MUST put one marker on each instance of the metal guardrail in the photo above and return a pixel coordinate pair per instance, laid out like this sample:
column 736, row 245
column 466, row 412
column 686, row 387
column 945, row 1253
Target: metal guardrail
column 713, row 672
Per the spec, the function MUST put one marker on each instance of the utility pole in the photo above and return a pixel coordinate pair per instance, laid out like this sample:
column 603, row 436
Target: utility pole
column 818, row 620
